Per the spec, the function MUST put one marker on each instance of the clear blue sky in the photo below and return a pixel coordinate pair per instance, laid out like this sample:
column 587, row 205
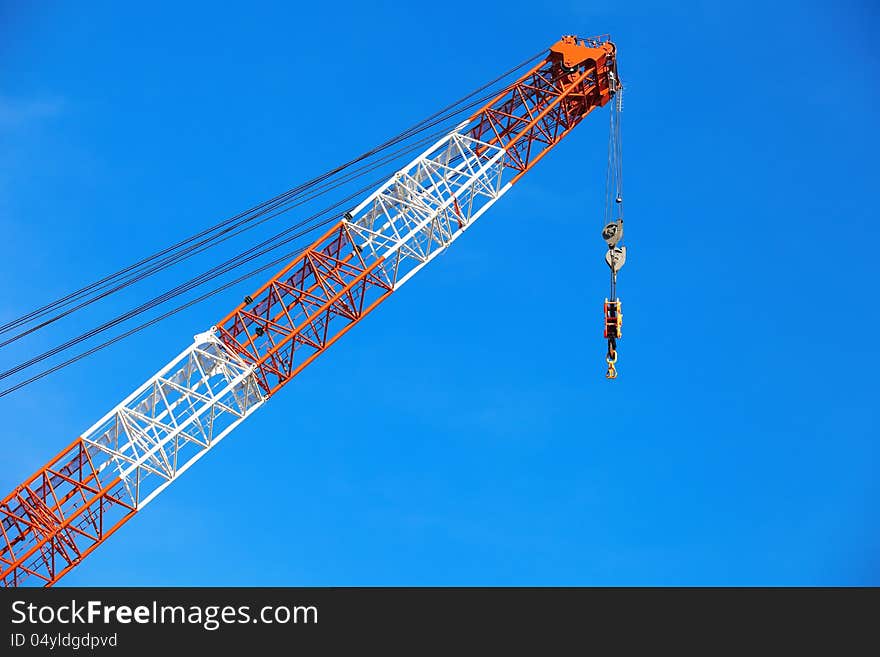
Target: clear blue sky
column 465, row 434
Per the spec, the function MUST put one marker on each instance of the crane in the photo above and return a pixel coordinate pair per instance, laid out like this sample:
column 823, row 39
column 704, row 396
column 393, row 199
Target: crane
column 113, row 470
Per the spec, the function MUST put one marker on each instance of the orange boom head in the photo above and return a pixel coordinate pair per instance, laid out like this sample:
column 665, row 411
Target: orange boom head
column 574, row 55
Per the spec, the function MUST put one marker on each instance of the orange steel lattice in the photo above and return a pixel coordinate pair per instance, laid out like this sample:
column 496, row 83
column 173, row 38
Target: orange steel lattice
column 306, row 307
column 547, row 102
column 58, row 516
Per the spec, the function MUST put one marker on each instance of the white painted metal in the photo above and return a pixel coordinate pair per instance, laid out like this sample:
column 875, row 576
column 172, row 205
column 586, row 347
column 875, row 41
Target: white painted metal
column 424, row 207
column 173, row 419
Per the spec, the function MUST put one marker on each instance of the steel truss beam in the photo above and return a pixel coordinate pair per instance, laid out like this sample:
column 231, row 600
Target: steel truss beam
column 66, row 509
column 56, row 518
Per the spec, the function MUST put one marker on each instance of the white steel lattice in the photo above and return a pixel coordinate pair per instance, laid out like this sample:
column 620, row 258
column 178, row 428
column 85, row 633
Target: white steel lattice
column 424, row 207
column 173, row 419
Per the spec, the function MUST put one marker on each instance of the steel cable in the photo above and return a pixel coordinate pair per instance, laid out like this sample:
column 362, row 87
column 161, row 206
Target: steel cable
column 225, row 230
column 247, row 216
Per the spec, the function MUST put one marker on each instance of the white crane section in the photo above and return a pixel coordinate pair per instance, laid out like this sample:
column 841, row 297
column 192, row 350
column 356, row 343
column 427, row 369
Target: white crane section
column 428, row 204
column 173, row 419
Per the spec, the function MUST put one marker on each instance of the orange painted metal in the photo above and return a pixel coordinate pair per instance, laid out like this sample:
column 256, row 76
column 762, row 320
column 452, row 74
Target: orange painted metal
column 534, row 114
column 613, row 320
column 57, row 517
column 298, row 313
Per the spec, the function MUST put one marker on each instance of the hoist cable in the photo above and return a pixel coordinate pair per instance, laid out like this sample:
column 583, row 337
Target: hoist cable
column 218, row 270
column 231, row 227
column 148, row 269
column 249, row 255
column 442, row 115
column 168, row 262
column 147, row 324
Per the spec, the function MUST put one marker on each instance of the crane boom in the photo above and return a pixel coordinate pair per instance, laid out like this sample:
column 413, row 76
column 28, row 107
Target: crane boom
column 65, row 510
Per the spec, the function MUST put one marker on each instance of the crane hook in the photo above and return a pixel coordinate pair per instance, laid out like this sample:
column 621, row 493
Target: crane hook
column 611, row 359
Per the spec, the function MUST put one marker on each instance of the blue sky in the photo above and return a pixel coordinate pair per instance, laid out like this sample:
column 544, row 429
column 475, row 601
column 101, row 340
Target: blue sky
column 464, row 433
